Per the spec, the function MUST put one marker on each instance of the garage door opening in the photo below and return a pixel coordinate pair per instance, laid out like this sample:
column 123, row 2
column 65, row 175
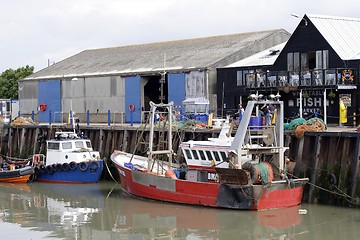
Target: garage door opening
column 152, row 91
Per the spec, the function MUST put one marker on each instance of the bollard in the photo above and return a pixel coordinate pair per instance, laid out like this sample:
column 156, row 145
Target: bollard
column 19, row 114
column 32, row 115
column 109, row 117
column 88, row 117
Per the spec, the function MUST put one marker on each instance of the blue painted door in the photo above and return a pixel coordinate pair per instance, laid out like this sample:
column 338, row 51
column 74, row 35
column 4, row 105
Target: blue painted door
column 176, row 88
column 49, row 94
column 132, row 96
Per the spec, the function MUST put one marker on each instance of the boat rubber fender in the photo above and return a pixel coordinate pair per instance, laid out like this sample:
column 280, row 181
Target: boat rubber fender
column 37, row 170
column 42, row 169
column 59, row 167
column 83, row 166
column 332, row 179
column 72, row 166
column 65, row 167
column 94, row 165
column 49, row 169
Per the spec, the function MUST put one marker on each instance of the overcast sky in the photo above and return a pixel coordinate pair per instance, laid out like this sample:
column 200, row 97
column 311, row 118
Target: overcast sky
column 34, row 32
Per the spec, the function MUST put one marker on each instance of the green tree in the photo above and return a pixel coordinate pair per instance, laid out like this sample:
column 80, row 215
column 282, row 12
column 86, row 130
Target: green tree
column 9, row 81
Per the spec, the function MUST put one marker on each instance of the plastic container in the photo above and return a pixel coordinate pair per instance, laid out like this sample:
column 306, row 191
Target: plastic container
column 255, row 123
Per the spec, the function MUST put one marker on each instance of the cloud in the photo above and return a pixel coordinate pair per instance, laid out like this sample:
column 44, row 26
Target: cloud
column 34, row 31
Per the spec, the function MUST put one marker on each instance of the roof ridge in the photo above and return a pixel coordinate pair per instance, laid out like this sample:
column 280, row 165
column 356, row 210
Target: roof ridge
column 187, row 39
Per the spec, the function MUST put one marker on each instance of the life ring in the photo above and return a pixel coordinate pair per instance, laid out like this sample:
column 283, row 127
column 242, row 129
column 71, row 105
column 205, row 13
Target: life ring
column 72, row 166
column 131, row 107
column 83, row 166
column 94, row 165
column 49, row 169
column 36, row 160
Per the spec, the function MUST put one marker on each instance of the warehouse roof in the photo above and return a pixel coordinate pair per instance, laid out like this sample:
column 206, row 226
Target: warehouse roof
column 341, row 33
column 179, row 55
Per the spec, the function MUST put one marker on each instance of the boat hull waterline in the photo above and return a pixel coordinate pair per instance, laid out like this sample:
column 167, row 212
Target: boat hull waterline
column 211, row 194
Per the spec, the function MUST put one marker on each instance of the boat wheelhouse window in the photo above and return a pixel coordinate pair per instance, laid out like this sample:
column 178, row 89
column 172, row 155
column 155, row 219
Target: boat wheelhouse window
column 209, row 155
column 79, row 144
column 194, row 152
column 66, row 145
column 188, row 154
column 88, row 144
column 53, row 145
column 223, row 155
column 202, row 155
column 217, row 157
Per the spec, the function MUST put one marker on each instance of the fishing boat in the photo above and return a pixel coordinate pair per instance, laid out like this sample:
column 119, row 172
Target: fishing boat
column 12, row 171
column 251, row 173
column 69, row 158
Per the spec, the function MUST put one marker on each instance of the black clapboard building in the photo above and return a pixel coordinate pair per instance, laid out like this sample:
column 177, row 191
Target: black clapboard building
column 318, row 64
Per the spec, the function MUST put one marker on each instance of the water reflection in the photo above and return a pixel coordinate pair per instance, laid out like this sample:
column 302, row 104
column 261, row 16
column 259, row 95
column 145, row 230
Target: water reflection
column 101, row 211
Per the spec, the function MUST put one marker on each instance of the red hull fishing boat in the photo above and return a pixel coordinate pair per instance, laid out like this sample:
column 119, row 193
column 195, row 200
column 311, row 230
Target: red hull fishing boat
column 254, row 176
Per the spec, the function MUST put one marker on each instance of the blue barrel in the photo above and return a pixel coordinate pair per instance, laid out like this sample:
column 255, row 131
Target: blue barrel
column 256, row 123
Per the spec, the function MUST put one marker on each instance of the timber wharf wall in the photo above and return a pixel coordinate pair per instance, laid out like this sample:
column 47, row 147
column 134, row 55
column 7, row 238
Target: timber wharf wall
column 329, row 159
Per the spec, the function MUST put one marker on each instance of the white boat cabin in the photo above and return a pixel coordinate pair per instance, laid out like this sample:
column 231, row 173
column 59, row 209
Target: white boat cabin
column 68, row 147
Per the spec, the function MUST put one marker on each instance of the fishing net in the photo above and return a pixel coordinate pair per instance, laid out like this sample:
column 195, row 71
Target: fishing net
column 311, row 125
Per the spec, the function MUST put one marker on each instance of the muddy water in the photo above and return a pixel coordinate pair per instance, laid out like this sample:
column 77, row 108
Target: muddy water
column 101, row 211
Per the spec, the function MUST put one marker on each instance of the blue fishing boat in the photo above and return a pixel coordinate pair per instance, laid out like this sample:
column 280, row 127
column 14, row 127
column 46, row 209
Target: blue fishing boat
column 69, row 158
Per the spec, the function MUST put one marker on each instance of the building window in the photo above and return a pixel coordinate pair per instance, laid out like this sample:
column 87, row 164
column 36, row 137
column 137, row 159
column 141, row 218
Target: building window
column 239, row 78
column 319, row 64
column 325, row 59
column 304, row 61
column 290, row 61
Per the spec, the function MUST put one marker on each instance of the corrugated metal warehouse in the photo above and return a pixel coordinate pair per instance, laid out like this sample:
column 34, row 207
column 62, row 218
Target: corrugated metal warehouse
column 106, row 80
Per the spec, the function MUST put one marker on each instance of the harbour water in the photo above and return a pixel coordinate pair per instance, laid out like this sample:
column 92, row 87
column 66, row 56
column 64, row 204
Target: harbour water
column 102, row 211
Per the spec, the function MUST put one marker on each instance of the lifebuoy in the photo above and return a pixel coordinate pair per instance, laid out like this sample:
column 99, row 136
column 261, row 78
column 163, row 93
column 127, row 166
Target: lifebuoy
column 131, row 107
column 36, row 160
column 83, row 166
column 94, row 165
column 72, row 166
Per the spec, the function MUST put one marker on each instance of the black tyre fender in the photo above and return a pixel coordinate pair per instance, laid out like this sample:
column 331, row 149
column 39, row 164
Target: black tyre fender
column 42, row 169
column 94, row 165
column 83, row 166
column 54, row 167
column 66, row 167
column 332, row 179
column 49, row 169
column 73, row 166
column 59, row 167
column 37, row 170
